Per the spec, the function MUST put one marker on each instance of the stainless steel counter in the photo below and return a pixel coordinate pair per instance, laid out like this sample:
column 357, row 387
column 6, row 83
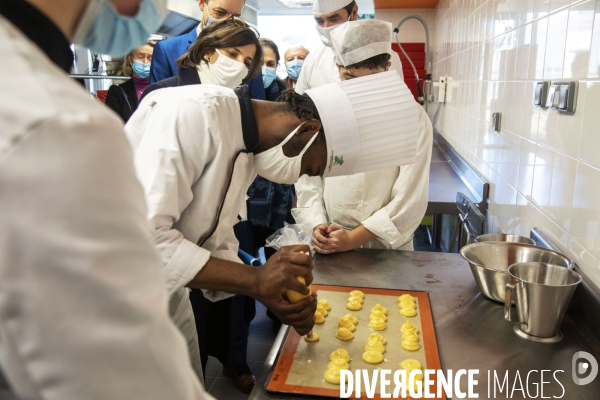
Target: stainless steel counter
column 471, row 330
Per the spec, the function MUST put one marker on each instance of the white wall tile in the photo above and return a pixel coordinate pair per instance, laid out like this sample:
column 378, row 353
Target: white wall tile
column 589, row 146
column 594, row 66
column 544, row 167
column 579, row 37
column 555, row 45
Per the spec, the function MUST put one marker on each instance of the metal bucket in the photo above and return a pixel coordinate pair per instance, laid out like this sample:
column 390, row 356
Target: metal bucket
column 489, row 262
column 505, row 238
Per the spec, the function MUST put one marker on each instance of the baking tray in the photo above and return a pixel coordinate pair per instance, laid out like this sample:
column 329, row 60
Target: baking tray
column 300, row 365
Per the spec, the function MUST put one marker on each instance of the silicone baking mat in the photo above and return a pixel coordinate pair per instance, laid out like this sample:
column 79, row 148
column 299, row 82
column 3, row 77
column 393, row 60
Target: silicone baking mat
column 300, row 365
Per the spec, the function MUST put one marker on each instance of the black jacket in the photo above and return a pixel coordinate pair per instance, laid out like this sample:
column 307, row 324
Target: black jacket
column 116, row 101
column 273, row 92
column 184, row 77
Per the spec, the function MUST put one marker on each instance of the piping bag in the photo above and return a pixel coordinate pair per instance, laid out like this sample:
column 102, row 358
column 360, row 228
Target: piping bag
column 289, row 235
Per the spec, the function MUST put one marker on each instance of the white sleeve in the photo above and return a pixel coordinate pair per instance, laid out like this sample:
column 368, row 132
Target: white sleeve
column 396, row 64
column 395, row 223
column 310, row 210
column 228, row 250
column 169, row 158
column 83, row 306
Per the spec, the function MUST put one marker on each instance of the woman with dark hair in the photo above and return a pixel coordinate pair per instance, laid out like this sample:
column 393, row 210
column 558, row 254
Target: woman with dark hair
column 226, row 53
column 273, row 85
column 124, row 98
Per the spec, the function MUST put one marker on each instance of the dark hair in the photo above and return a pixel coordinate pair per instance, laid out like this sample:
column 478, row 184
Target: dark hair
column 378, row 61
column 264, row 42
column 221, row 34
column 350, row 7
column 300, row 104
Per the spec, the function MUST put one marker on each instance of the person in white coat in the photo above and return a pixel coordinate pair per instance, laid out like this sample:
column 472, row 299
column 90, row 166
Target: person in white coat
column 319, row 66
column 377, row 209
column 198, row 148
column 83, row 304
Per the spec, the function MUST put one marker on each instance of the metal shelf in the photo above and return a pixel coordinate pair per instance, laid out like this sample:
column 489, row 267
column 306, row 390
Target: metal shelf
column 82, row 76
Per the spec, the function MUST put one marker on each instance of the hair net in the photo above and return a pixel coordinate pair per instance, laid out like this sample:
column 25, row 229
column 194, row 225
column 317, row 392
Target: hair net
column 356, row 41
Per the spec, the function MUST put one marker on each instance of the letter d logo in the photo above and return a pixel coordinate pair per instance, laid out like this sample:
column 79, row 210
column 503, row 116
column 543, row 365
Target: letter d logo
column 582, row 367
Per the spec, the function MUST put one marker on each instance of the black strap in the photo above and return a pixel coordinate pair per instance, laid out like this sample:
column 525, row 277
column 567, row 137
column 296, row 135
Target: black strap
column 126, row 99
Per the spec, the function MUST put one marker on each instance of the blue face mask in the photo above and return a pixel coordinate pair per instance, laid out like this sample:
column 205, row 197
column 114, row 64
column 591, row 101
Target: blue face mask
column 293, row 68
column 103, row 30
column 269, row 75
column 140, row 69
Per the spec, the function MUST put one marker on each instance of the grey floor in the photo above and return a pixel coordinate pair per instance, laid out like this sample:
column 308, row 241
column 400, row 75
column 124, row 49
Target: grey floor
column 259, row 343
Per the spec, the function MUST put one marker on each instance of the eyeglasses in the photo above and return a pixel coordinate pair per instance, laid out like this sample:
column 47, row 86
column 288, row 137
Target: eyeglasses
column 241, row 23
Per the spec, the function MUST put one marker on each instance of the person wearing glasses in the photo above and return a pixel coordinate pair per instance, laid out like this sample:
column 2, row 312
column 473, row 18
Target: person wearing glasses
column 227, row 53
column 319, row 66
column 167, row 52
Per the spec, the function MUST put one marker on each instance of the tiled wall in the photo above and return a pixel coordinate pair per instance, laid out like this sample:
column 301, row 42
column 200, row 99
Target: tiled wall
column 411, row 31
column 544, row 167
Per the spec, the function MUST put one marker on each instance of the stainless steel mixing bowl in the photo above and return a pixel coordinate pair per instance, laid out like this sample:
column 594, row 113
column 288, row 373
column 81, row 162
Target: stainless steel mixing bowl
column 501, row 237
column 489, row 262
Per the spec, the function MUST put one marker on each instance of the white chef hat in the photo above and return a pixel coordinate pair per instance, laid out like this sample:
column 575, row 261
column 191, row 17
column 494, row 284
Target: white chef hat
column 357, row 41
column 370, row 123
column 327, row 6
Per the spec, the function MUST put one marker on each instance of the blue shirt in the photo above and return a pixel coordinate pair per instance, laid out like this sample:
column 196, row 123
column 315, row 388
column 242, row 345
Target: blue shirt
column 166, row 53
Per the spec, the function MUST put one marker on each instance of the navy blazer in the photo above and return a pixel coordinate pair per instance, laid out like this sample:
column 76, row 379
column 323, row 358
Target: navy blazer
column 166, row 53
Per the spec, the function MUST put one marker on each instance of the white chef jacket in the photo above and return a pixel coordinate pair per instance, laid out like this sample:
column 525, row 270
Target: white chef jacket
column 83, row 305
column 190, row 154
column 319, row 69
column 389, row 203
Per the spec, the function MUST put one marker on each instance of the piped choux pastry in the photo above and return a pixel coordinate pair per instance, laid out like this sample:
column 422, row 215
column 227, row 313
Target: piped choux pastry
column 352, row 318
column 325, row 304
column 319, row 318
column 410, row 342
column 375, row 345
column 344, row 334
column 313, row 338
column 333, row 375
column 353, row 305
column 377, row 324
column 405, row 297
column 356, row 298
column 379, row 307
column 340, row 353
column 377, row 314
column 338, row 363
column 372, row 357
column 410, row 364
column 408, row 312
column 407, row 304
column 357, row 293
column 322, row 310
column 377, row 336
column 408, row 327
column 344, row 322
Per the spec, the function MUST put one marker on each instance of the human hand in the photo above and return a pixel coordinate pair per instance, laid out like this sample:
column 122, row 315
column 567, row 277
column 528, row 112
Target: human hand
column 320, row 241
column 279, row 275
column 343, row 239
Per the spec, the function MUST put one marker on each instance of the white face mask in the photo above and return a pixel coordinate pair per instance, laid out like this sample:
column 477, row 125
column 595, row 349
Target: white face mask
column 227, row 72
column 325, row 33
column 275, row 166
